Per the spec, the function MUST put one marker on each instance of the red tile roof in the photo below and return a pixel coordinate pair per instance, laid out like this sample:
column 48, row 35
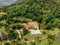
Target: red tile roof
column 31, row 25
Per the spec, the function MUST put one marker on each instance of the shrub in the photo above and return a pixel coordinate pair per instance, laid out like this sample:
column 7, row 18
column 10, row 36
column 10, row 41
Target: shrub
column 32, row 43
column 44, row 32
column 22, row 43
column 13, row 41
column 25, row 32
column 7, row 43
column 51, row 37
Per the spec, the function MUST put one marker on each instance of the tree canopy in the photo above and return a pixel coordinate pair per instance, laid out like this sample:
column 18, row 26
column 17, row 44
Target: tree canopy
column 46, row 12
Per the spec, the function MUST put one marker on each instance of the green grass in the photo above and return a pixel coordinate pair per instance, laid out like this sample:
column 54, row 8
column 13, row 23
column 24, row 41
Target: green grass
column 45, row 42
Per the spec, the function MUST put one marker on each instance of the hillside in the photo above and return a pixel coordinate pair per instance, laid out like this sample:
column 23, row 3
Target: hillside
column 6, row 2
column 45, row 12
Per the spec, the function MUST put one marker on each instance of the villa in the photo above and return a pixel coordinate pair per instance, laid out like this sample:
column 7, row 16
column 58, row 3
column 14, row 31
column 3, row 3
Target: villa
column 33, row 27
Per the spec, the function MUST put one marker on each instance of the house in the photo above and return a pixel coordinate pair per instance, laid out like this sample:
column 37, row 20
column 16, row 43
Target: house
column 33, row 27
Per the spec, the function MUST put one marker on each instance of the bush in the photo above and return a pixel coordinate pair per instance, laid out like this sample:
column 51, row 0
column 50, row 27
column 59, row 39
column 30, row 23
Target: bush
column 51, row 37
column 13, row 41
column 22, row 43
column 17, row 26
column 25, row 32
column 12, row 34
column 32, row 43
column 44, row 32
column 7, row 43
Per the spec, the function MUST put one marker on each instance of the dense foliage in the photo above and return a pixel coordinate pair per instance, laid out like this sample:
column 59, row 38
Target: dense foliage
column 46, row 12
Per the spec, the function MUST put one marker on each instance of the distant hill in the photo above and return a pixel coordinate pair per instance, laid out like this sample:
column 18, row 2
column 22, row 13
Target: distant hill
column 7, row 2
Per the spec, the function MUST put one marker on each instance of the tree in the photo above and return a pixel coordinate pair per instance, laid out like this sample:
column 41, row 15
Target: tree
column 51, row 38
column 14, row 41
column 12, row 34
